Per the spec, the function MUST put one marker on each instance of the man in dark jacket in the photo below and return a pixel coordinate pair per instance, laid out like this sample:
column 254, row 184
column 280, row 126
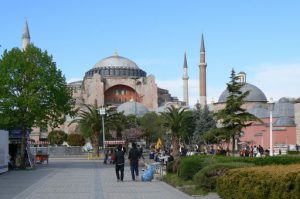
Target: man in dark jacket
column 120, row 160
column 134, row 156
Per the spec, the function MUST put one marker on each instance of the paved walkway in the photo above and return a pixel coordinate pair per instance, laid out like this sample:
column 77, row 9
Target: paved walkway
column 80, row 178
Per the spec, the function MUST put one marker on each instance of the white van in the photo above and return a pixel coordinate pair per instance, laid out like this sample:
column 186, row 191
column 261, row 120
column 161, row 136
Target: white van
column 4, row 156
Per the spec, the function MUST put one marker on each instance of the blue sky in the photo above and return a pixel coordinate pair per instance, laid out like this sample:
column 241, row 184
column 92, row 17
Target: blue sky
column 261, row 38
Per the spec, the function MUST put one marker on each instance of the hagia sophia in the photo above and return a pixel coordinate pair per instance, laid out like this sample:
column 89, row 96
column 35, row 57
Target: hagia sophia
column 119, row 81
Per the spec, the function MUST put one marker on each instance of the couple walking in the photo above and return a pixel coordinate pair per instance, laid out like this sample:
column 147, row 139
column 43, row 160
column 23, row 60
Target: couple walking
column 134, row 156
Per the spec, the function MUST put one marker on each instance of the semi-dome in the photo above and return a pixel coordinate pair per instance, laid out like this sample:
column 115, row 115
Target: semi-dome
column 133, row 108
column 284, row 110
column 285, row 121
column 116, row 66
column 284, row 100
column 260, row 111
column 116, row 61
column 255, row 94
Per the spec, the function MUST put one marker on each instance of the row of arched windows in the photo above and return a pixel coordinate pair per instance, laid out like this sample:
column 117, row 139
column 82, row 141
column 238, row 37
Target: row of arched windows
column 117, row 72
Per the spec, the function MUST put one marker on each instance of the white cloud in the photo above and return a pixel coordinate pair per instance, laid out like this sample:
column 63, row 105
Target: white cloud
column 175, row 87
column 275, row 81
column 278, row 81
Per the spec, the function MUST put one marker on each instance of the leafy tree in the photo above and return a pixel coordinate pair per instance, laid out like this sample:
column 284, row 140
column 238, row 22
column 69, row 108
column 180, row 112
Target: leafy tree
column 132, row 134
column 152, row 126
column 204, row 122
column 174, row 120
column 57, row 137
column 119, row 122
column 75, row 139
column 33, row 92
column 233, row 117
column 188, row 128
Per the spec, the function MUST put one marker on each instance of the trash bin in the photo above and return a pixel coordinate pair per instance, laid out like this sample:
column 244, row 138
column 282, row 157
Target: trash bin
column 151, row 155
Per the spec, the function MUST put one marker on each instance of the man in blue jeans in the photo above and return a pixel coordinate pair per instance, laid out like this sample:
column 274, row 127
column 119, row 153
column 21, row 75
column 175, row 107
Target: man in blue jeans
column 134, row 156
column 119, row 161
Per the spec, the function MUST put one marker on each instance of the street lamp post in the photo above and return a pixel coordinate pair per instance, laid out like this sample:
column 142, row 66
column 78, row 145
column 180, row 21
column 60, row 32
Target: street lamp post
column 271, row 107
column 102, row 113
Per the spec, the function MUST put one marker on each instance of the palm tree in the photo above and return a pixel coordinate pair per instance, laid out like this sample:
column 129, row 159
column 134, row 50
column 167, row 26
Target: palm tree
column 89, row 121
column 174, row 120
column 90, row 124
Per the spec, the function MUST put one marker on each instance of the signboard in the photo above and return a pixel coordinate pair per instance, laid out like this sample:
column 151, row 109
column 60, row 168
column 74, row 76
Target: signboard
column 102, row 111
column 17, row 134
column 4, row 156
column 114, row 142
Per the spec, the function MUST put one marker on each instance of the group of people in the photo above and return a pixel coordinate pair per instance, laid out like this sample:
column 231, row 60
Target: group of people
column 133, row 156
column 253, row 151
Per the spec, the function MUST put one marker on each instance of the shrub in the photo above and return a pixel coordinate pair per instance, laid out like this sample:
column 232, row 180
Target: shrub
column 267, row 182
column 57, row 137
column 269, row 160
column 76, row 140
column 293, row 152
column 206, row 178
column 170, row 167
column 175, row 181
column 189, row 166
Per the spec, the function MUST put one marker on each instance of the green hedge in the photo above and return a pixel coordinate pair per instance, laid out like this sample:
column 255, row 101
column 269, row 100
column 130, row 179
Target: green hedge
column 261, row 161
column 267, row 182
column 206, row 178
column 57, row 137
column 190, row 165
column 170, row 167
column 293, row 152
column 76, row 140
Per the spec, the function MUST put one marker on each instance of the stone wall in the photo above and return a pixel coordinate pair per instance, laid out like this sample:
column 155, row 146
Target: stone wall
column 58, row 151
column 297, row 121
column 95, row 91
column 149, row 93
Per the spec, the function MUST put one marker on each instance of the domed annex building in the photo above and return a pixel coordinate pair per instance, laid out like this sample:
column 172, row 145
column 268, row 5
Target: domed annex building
column 285, row 118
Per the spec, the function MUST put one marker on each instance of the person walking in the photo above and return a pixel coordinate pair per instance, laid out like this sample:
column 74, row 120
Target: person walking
column 141, row 152
column 134, row 156
column 119, row 161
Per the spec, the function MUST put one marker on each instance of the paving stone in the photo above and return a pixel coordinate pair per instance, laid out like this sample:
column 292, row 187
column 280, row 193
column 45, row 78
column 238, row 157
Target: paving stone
column 82, row 179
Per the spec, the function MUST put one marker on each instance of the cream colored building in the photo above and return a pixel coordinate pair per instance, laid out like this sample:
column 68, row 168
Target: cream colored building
column 113, row 81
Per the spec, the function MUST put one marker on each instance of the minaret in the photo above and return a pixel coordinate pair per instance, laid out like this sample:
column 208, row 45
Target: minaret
column 26, row 36
column 202, row 67
column 185, row 79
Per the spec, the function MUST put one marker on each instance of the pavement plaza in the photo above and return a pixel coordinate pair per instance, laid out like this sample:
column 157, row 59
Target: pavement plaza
column 82, row 179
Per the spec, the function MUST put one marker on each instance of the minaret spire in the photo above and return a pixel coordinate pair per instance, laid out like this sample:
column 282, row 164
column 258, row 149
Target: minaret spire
column 25, row 36
column 185, row 79
column 185, row 62
column 202, row 66
column 202, row 49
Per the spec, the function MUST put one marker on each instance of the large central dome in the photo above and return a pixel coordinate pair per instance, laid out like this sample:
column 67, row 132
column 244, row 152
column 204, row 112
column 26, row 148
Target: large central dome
column 116, row 66
column 116, row 61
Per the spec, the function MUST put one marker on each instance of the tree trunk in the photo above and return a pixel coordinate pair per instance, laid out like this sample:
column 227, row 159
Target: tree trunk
column 175, row 144
column 22, row 149
column 95, row 144
column 233, row 145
